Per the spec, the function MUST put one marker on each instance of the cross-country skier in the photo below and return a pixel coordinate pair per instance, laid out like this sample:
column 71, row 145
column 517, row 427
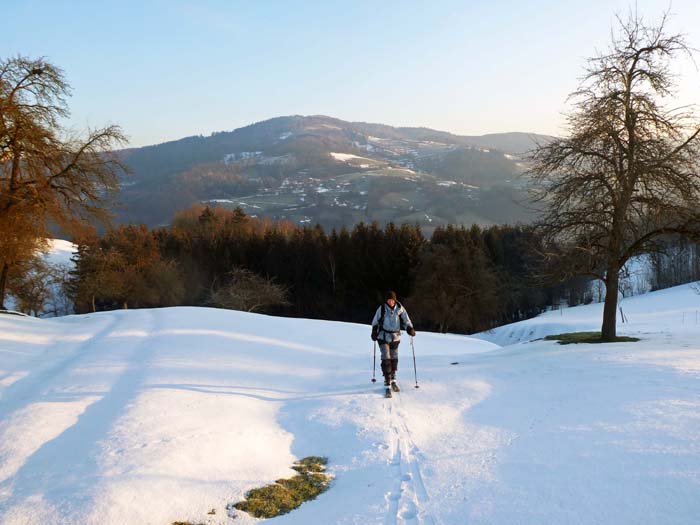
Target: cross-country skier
column 388, row 321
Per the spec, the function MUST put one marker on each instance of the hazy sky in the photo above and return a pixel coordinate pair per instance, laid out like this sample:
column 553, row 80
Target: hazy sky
column 168, row 69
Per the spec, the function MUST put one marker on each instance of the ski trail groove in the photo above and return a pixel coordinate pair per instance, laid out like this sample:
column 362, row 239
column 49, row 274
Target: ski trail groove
column 74, row 454
column 34, row 386
column 406, row 502
column 417, row 476
column 394, row 495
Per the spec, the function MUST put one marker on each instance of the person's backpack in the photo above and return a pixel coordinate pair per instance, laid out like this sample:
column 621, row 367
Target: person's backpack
column 380, row 324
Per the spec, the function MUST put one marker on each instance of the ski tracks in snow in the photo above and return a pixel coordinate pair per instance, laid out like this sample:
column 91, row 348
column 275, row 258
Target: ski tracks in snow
column 408, row 498
column 108, row 368
column 27, row 389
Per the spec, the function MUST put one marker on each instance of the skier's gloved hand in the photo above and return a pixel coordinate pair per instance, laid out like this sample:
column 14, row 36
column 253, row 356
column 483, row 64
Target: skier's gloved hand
column 375, row 332
column 410, row 331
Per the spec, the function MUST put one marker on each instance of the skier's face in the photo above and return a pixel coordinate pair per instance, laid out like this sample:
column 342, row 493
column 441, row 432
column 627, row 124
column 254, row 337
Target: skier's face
column 390, row 302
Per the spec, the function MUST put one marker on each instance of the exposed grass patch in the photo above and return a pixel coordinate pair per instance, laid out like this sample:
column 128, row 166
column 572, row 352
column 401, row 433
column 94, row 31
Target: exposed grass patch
column 573, row 338
column 285, row 495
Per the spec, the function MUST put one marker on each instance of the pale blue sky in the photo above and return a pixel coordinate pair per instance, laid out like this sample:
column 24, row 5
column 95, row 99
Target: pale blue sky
column 169, row 69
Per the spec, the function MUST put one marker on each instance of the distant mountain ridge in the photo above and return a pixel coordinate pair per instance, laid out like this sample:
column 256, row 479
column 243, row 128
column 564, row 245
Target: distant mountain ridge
column 311, row 169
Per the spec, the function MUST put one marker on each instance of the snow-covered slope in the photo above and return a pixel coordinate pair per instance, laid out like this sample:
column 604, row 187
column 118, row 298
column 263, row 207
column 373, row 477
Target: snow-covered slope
column 673, row 310
column 152, row 416
column 60, row 252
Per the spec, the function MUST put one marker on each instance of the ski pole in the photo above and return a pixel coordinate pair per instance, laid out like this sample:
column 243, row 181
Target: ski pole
column 374, row 366
column 415, row 373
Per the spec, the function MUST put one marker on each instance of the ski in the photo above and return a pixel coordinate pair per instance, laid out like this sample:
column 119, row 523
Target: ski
column 388, row 393
column 395, row 387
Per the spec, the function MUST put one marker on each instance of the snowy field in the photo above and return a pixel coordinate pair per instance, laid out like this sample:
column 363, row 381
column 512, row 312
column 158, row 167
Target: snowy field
column 152, row 416
column 60, row 252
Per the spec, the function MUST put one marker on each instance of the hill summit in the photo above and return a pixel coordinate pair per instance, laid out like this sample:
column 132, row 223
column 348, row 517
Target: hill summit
column 318, row 169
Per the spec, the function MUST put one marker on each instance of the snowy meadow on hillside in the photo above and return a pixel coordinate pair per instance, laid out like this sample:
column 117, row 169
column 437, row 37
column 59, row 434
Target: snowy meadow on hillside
column 199, row 354
column 155, row 416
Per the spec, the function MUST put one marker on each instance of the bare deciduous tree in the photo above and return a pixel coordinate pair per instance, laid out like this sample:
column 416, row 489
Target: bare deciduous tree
column 48, row 175
column 248, row 292
column 32, row 288
column 628, row 172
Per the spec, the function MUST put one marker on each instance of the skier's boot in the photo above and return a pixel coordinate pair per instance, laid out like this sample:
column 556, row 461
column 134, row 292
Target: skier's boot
column 386, row 371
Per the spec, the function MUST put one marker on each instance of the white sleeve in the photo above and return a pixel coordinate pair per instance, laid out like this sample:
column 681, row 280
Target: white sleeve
column 406, row 320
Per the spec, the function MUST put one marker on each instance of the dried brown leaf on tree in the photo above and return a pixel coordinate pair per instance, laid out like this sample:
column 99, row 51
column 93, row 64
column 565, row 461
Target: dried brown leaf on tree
column 48, row 175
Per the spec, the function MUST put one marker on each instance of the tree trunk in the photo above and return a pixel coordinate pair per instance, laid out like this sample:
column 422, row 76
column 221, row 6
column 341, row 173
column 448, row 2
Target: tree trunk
column 3, row 284
column 612, row 281
column 93, row 304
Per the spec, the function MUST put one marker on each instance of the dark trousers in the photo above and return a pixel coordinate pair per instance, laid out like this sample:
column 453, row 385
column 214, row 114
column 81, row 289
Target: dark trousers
column 390, row 360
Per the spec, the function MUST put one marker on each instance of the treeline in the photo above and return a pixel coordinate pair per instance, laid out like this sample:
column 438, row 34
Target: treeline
column 460, row 280
column 676, row 262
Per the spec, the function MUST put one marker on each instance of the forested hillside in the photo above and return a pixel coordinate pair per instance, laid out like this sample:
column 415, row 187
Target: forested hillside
column 323, row 170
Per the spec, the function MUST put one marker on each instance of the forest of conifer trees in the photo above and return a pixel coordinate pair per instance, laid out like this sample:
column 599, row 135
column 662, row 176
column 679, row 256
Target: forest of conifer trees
column 460, row 280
